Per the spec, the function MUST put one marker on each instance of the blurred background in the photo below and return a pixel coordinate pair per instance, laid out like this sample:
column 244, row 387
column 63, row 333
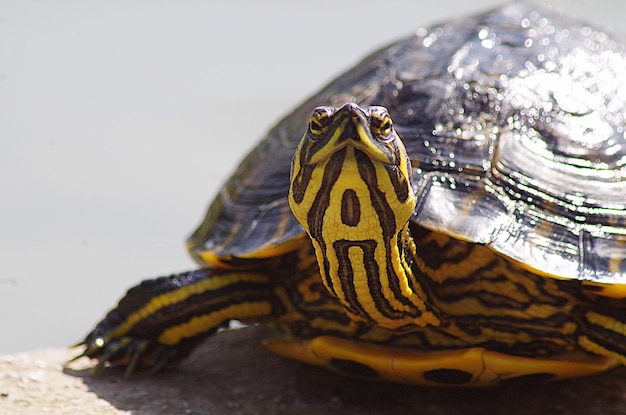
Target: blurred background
column 120, row 120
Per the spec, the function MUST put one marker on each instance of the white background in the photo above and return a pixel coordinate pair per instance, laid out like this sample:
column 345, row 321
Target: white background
column 120, row 119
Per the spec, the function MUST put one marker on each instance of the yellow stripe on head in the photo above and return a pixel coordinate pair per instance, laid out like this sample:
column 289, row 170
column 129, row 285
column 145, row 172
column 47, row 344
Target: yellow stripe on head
column 351, row 191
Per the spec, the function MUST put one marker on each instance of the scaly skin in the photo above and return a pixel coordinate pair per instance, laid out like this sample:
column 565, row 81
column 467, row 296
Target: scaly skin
column 419, row 307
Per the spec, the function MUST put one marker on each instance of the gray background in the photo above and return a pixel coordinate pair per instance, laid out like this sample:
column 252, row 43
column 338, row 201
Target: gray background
column 119, row 121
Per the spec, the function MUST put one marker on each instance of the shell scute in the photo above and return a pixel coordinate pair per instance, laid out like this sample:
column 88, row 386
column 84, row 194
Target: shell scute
column 514, row 122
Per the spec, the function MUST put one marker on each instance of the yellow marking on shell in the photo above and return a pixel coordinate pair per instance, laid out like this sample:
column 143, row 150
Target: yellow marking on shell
column 201, row 323
column 269, row 250
column 477, row 366
column 604, row 289
column 180, row 295
column 273, row 250
column 208, row 257
column 607, row 290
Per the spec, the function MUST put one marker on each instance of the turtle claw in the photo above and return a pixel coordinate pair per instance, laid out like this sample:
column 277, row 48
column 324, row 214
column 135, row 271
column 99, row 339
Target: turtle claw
column 147, row 358
column 139, row 357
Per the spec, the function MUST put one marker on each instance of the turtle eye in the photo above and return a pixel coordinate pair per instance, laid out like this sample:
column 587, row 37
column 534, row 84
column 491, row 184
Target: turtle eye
column 380, row 122
column 320, row 119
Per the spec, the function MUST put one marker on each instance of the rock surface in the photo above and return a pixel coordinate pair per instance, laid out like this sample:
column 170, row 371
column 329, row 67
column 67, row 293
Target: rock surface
column 233, row 374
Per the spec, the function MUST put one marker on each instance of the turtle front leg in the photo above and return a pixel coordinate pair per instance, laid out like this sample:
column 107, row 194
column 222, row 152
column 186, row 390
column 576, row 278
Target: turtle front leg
column 160, row 321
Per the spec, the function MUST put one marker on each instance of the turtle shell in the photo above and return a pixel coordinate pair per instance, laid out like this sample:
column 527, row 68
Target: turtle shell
column 514, row 121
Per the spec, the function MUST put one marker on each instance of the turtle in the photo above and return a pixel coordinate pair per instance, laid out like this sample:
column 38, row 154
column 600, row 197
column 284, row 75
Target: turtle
column 451, row 211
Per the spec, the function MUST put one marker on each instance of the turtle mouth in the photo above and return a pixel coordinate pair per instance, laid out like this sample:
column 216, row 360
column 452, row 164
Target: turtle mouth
column 350, row 126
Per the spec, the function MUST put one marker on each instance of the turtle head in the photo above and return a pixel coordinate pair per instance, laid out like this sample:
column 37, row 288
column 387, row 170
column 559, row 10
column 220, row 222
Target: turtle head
column 350, row 173
column 351, row 191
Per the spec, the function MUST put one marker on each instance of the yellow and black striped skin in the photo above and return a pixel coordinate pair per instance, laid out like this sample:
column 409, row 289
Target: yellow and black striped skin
column 389, row 300
column 369, row 260
column 512, row 266
column 351, row 191
column 498, row 322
